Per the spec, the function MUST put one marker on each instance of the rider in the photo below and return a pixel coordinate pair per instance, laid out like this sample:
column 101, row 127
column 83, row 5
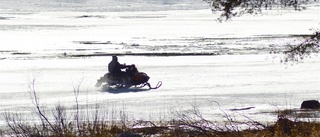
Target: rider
column 115, row 67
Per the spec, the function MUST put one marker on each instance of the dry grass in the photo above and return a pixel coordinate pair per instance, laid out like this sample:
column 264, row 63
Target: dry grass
column 282, row 128
column 187, row 123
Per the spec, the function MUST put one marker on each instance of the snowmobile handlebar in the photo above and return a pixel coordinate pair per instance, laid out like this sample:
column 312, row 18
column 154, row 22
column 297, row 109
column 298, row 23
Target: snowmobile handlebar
column 128, row 65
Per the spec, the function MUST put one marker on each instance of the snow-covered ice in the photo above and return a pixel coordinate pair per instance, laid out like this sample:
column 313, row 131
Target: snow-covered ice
column 235, row 81
column 54, row 45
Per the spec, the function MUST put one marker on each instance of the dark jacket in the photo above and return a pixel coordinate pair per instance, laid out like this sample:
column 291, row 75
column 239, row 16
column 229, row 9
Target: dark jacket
column 115, row 67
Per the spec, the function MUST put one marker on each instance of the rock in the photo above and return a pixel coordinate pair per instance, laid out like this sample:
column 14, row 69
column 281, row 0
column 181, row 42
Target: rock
column 310, row 104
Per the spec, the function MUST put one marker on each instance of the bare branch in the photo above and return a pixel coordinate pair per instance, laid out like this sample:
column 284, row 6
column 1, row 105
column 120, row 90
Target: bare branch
column 298, row 52
column 234, row 8
column 34, row 97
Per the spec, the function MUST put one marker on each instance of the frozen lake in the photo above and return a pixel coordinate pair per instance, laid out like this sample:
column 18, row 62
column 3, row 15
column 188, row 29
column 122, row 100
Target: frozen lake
column 63, row 48
column 235, row 81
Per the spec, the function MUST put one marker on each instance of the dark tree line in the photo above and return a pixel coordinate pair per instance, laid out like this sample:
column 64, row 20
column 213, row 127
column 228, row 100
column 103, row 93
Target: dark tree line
column 234, row 8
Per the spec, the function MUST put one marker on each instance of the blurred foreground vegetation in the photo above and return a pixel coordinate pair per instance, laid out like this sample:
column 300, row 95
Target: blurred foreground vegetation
column 181, row 127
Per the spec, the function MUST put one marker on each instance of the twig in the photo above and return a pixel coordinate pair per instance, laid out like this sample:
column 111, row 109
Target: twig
column 34, row 96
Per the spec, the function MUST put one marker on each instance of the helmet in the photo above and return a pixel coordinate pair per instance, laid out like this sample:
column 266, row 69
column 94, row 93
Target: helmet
column 114, row 58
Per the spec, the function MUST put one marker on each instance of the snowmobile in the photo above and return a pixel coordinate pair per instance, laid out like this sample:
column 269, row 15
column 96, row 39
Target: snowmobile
column 131, row 77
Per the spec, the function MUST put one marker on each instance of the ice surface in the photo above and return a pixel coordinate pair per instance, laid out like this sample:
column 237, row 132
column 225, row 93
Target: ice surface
column 235, row 81
column 99, row 5
column 61, row 48
column 52, row 34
